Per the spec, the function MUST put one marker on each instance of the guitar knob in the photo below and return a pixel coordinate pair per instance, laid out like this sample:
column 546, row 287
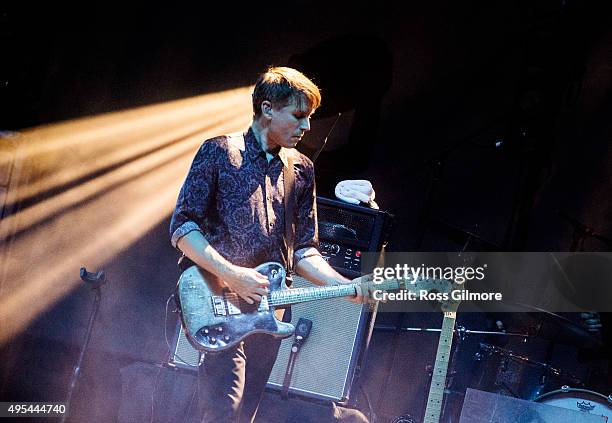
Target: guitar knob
column 219, row 329
column 206, row 331
column 226, row 338
column 213, row 340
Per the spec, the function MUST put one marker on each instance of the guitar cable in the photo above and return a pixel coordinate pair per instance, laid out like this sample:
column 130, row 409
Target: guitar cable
column 371, row 415
column 195, row 393
column 168, row 352
column 161, row 365
column 155, row 385
column 166, row 334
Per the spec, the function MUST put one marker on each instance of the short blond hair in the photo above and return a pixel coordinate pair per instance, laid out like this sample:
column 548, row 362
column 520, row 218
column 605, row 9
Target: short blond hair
column 281, row 85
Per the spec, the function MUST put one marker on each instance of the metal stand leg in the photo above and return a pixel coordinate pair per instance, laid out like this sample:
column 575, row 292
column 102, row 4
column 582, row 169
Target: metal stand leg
column 95, row 281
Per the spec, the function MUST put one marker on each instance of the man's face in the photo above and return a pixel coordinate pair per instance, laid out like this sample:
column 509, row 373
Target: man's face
column 287, row 126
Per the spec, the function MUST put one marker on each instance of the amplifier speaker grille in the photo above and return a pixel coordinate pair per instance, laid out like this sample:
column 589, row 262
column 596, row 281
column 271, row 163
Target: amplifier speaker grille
column 183, row 354
column 325, row 366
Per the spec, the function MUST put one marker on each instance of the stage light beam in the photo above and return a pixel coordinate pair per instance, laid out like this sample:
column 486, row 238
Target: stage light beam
column 117, row 177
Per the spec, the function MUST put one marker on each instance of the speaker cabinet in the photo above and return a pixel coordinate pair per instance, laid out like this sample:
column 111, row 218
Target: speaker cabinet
column 182, row 354
column 325, row 365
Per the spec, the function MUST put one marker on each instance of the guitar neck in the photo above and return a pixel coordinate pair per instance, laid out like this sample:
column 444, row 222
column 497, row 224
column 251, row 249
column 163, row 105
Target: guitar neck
column 438, row 379
column 301, row 295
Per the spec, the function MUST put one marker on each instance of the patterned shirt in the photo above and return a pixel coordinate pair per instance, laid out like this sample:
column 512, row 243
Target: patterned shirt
column 235, row 197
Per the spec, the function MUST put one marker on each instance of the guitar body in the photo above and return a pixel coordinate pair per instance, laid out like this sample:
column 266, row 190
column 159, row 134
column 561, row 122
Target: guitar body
column 216, row 319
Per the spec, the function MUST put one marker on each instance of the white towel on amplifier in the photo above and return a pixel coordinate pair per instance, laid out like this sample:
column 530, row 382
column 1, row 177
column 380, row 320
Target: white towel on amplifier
column 355, row 191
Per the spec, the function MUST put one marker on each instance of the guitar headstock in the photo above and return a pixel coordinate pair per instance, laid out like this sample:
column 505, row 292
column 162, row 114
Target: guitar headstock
column 452, row 303
column 419, row 286
column 428, row 284
column 461, row 259
column 444, row 286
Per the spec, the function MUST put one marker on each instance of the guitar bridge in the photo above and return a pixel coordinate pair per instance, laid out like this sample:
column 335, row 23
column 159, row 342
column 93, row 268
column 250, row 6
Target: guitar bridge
column 231, row 308
column 219, row 306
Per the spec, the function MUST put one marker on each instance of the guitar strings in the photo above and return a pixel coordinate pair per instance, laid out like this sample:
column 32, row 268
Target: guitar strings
column 281, row 296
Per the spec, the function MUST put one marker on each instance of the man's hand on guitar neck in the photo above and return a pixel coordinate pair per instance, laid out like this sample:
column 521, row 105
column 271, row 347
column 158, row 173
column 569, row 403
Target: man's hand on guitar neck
column 364, row 291
column 317, row 270
column 362, row 296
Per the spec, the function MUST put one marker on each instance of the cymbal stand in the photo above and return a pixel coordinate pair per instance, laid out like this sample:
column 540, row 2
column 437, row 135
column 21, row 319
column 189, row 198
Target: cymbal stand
column 460, row 331
column 550, row 370
column 582, row 232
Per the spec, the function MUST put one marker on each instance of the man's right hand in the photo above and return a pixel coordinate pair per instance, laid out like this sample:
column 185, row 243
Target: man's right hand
column 248, row 283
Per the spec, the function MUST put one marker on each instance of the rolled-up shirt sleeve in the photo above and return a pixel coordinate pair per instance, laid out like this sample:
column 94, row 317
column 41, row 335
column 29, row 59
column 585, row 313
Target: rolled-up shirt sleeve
column 306, row 242
column 196, row 194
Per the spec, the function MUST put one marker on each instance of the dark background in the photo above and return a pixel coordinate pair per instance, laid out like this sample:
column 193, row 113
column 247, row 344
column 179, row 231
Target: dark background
column 484, row 117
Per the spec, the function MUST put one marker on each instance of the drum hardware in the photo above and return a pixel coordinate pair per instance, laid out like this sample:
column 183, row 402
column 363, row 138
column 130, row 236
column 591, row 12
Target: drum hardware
column 523, row 377
column 582, row 232
column 551, row 326
column 507, row 370
column 582, row 400
column 509, row 355
column 483, row 406
column 455, row 393
column 404, row 418
column 460, row 331
column 592, row 322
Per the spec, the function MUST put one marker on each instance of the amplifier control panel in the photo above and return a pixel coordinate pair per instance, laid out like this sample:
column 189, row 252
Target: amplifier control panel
column 341, row 256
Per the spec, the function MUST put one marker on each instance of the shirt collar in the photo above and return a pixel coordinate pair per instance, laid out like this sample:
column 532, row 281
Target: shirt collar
column 254, row 150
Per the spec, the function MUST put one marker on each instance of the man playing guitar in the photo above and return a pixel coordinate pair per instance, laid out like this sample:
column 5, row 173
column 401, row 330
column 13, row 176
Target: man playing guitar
column 230, row 217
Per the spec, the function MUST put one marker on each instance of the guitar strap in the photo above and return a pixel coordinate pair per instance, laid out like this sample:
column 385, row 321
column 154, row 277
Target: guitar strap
column 289, row 183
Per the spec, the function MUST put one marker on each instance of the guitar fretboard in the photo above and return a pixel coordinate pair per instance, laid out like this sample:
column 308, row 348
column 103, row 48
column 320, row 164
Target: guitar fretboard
column 300, row 295
column 438, row 378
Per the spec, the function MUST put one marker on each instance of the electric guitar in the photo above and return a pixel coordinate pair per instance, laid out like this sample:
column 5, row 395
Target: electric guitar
column 445, row 343
column 216, row 319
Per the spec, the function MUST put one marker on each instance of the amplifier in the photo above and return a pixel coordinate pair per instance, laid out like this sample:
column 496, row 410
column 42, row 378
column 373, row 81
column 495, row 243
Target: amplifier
column 346, row 230
column 328, row 361
column 325, row 367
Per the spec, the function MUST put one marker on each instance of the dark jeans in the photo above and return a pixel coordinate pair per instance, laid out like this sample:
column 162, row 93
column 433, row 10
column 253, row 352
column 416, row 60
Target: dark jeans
column 232, row 383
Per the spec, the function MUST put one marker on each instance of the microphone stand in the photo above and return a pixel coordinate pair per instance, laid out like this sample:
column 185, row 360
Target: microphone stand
column 95, row 282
